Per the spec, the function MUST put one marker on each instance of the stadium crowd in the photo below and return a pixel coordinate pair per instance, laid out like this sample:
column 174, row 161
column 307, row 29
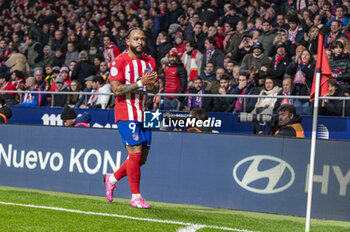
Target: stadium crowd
column 256, row 47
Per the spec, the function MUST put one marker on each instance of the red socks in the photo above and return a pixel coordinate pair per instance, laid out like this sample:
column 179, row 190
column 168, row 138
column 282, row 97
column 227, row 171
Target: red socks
column 133, row 171
column 121, row 172
column 131, row 168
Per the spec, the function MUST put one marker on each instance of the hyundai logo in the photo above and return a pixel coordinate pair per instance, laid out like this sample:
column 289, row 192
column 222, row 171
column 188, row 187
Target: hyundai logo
column 263, row 174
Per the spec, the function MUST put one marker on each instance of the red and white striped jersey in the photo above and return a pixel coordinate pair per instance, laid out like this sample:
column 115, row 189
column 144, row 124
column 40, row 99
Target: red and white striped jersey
column 127, row 70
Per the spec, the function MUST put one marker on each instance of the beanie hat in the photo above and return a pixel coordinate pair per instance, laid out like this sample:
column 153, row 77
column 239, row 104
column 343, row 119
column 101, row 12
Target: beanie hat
column 173, row 52
column 68, row 113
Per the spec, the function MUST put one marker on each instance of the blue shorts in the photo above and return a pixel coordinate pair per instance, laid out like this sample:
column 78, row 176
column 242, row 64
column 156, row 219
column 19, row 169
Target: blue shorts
column 133, row 133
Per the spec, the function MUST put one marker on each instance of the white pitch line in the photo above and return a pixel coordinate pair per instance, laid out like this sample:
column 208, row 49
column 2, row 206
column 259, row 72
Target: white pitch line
column 128, row 217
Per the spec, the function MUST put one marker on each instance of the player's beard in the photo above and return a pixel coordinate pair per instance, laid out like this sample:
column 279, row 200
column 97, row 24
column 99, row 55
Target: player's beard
column 135, row 51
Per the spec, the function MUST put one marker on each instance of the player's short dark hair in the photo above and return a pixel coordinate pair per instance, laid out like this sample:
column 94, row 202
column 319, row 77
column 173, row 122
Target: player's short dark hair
column 132, row 29
column 287, row 107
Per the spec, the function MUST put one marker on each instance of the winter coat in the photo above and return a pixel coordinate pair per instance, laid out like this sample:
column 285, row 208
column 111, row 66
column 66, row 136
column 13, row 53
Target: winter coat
column 250, row 60
column 217, row 59
column 299, row 89
column 335, row 107
column 82, row 70
column 249, row 102
column 278, row 73
column 341, row 66
column 267, row 39
column 17, row 61
column 266, row 105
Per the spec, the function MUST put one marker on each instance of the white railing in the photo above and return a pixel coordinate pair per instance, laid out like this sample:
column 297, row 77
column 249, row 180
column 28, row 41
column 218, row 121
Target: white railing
column 344, row 99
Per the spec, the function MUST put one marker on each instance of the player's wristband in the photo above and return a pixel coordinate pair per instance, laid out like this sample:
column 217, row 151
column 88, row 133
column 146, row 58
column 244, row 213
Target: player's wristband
column 139, row 83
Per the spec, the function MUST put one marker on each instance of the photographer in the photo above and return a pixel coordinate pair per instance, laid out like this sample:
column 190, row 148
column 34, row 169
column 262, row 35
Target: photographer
column 5, row 111
column 289, row 122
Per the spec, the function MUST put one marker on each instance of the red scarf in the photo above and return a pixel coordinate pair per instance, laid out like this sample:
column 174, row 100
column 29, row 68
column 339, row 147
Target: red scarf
column 277, row 60
column 194, row 67
column 239, row 102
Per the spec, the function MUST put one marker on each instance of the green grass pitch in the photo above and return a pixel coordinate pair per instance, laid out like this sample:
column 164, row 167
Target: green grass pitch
column 24, row 218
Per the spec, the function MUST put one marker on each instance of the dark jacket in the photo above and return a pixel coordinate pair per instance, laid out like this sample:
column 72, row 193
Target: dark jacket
column 5, row 111
column 221, row 104
column 288, row 130
column 163, row 50
column 290, row 49
column 298, row 89
column 249, row 102
column 208, row 76
column 335, row 107
column 341, row 66
column 82, row 120
column 82, row 70
column 280, row 69
column 217, row 59
column 60, row 99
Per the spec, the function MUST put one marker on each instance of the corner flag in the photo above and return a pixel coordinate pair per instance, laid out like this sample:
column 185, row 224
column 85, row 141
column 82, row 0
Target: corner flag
column 322, row 66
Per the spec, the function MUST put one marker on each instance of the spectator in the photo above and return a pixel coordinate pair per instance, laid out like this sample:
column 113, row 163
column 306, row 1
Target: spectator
column 31, row 99
column 70, row 119
column 175, row 81
column 17, row 61
column 190, row 27
column 43, row 84
column 340, row 66
column 94, row 52
column 73, row 99
column 302, row 73
column 237, row 37
column 103, row 71
column 110, row 50
column 35, row 53
column 48, row 56
column 266, row 105
column 208, row 75
column 334, row 34
column 193, row 102
column 267, row 36
column 286, row 91
column 51, row 74
column 212, row 54
column 214, row 86
column 279, row 63
column 163, row 46
column 339, row 15
column 72, row 54
column 221, row 104
column 83, row 99
column 17, row 78
column 64, row 73
column 58, row 41
column 334, row 107
column 83, row 68
column 295, row 32
column 243, row 48
column 6, row 85
column 256, row 61
column 99, row 86
column 198, row 36
column 59, row 57
column 282, row 36
column 244, row 87
column 59, row 99
column 213, row 32
column 192, row 60
column 311, row 40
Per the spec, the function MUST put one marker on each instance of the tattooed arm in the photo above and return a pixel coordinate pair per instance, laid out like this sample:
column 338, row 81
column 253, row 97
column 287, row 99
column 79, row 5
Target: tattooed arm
column 120, row 89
